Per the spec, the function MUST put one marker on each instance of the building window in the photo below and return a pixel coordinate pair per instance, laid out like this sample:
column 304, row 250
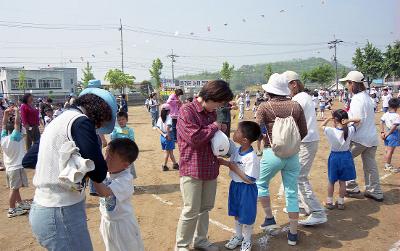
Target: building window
column 50, row 83
column 29, row 84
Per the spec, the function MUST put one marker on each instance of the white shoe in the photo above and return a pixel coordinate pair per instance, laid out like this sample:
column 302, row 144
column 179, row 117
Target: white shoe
column 24, row 206
column 15, row 212
column 246, row 246
column 181, row 249
column 312, row 221
column 388, row 167
column 302, row 212
column 234, row 242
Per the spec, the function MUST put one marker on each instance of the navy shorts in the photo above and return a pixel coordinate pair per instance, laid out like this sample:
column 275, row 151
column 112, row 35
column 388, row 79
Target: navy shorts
column 167, row 145
column 393, row 140
column 242, row 202
column 341, row 167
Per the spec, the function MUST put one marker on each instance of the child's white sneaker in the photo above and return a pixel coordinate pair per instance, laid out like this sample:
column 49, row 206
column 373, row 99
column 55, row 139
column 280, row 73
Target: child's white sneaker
column 234, row 242
column 246, row 246
column 15, row 212
column 24, row 206
column 387, row 167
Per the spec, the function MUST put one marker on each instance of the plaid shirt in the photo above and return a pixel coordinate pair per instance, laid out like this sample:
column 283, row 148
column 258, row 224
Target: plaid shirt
column 195, row 129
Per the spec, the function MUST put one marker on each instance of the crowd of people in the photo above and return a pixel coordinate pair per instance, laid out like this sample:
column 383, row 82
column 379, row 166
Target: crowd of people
column 68, row 156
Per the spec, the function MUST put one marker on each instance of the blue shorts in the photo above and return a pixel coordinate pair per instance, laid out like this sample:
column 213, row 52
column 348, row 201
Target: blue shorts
column 341, row 167
column 242, row 202
column 322, row 107
column 167, row 145
column 393, row 140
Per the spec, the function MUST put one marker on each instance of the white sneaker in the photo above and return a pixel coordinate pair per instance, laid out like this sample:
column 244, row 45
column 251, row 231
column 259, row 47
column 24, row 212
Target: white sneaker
column 234, row 242
column 388, row 167
column 395, row 169
column 15, row 212
column 246, row 246
column 24, row 206
column 312, row 221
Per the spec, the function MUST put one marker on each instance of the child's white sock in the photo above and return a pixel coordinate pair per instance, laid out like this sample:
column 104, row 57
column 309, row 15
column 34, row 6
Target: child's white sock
column 247, row 232
column 293, row 225
column 340, row 200
column 238, row 228
column 329, row 200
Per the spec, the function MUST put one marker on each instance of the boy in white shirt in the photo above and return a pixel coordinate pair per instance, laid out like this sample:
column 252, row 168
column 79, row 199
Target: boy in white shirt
column 390, row 133
column 119, row 227
column 13, row 146
column 49, row 116
column 385, row 100
column 244, row 168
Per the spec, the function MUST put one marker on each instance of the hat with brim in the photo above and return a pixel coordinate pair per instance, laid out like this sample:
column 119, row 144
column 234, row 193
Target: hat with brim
column 111, row 102
column 354, row 76
column 277, row 84
column 94, row 83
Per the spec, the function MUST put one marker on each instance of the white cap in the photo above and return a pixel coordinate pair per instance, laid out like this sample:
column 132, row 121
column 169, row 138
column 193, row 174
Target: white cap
column 354, row 76
column 220, row 144
column 277, row 84
column 291, row 76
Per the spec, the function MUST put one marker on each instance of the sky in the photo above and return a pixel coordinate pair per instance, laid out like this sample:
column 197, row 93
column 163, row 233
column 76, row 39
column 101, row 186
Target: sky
column 43, row 33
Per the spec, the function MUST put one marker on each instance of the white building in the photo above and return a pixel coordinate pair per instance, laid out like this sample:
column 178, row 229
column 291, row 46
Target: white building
column 42, row 82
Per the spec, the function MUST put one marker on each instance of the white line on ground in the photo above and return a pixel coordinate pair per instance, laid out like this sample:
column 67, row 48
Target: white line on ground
column 162, row 200
column 395, row 247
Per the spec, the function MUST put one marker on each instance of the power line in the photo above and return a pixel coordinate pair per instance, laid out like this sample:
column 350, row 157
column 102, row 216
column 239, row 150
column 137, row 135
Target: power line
column 333, row 44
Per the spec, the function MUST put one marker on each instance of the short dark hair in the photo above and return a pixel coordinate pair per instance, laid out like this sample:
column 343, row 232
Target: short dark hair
column 122, row 114
column 123, row 96
column 96, row 108
column 190, row 99
column 49, row 100
column 178, row 92
column 394, row 103
column 217, row 91
column 125, row 148
column 250, row 130
column 26, row 97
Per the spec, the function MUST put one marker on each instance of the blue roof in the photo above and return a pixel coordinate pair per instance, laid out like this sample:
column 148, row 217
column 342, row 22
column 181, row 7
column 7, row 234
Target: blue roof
column 378, row 81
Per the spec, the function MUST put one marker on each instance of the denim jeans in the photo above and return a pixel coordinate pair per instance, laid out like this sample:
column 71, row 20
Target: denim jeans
column 154, row 118
column 61, row 228
column 92, row 189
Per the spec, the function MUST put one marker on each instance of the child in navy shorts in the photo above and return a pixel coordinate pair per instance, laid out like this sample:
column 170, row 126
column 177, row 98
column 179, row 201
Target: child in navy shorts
column 164, row 125
column 390, row 133
column 340, row 163
column 244, row 168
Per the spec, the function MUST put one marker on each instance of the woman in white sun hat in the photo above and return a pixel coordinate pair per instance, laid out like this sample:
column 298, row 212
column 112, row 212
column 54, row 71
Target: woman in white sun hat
column 280, row 106
column 366, row 140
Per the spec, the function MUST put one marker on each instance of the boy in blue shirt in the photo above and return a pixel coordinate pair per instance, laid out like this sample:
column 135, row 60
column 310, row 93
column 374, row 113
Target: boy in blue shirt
column 122, row 131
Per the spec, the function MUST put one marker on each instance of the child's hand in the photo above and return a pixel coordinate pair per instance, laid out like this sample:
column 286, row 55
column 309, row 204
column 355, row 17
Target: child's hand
column 383, row 136
column 223, row 162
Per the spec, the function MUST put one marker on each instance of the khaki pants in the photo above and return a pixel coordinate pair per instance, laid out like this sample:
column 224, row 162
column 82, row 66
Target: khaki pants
column 307, row 197
column 198, row 199
column 371, row 174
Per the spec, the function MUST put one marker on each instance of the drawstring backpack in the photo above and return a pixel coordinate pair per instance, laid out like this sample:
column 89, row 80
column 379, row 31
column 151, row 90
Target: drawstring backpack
column 285, row 136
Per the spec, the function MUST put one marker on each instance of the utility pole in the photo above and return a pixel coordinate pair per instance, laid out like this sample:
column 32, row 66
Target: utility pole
column 173, row 56
column 333, row 44
column 122, row 46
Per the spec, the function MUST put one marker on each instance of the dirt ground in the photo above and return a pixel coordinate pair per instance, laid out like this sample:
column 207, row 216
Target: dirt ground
column 363, row 225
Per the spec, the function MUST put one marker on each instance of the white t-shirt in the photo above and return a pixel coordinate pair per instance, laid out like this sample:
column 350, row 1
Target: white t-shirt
column 390, row 118
column 118, row 206
column 308, row 106
column 385, row 100
column 240, row 101
column 47, row 120
column 163, row 126
column 362, row 107
column 258, row 96
column 336, row 138
column 13, row 151
column 247, row 97
column 315, row 101
column 248, row 162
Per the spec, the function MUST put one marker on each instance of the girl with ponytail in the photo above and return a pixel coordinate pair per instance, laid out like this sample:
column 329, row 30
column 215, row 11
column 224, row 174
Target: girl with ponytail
column 340, row 163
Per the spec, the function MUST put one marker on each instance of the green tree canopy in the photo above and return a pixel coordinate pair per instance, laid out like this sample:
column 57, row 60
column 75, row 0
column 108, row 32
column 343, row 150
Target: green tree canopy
column 391, row 64
column 369, row 61
column 87, row 75
column 119, row 80
column 268, row 72
column 227, row 71
column 322, row 75
column 155, row 71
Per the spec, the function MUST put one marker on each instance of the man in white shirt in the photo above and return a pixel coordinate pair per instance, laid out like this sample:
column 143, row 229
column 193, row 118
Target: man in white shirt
column 386, row 96
column 365, row 141
column 308, row 150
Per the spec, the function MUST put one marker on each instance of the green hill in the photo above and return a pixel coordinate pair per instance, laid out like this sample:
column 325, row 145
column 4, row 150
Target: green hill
column 248, row 75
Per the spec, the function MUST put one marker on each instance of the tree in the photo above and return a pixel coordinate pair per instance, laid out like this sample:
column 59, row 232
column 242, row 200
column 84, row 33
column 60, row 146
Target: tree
column 119, row 80
column 268, row 72
column 227, row 71
column 322, row 74
column 87, row 75
column 155, row 72
column 21, row 81
column 391, row 63
column 369, row 61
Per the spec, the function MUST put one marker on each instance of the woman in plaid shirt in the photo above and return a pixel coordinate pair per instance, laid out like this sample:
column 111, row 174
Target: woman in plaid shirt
column 199, row 168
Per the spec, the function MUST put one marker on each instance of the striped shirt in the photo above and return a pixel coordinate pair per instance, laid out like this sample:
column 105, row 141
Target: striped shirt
column 195, row 129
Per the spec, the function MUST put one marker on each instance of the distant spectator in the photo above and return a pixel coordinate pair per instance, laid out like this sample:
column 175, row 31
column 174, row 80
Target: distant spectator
column 174, row 104
column 30, row 119
column 153, row 107
column 123, row 104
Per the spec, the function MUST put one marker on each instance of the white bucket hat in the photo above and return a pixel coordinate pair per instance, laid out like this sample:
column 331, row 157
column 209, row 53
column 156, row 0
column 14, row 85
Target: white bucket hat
column 291, row 76
column 354, row 76
column 277, row 84
column 220, row 144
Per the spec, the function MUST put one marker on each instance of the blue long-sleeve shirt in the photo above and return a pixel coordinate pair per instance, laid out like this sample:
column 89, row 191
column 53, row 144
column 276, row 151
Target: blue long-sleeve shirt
column 124, row 133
